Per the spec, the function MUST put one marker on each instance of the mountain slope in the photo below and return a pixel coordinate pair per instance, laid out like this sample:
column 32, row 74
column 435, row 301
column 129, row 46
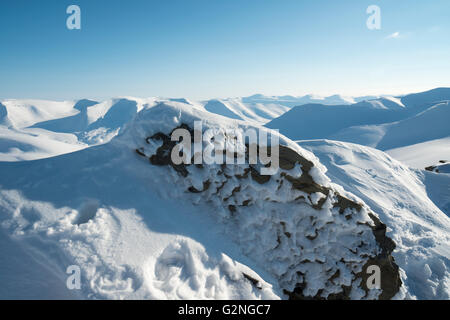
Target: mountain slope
column 368, row 117
column 31, row 144
column 314, row 121
column 423, row 100
column 423, row 154
column 261, row 109
column 401, row 196
column 25, row 113
column 428, row 125
column 291, row 101
column 246, row 109
column 42, row 129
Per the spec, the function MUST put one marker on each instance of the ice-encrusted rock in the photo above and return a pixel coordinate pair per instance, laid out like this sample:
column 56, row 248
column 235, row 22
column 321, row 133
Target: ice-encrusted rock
column 315, row 238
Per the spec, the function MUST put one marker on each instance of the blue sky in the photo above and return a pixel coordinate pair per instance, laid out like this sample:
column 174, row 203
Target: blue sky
column 209, row 48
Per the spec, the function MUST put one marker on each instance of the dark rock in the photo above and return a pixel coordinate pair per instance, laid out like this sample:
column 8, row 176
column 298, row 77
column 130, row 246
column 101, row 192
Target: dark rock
column 289, row 158
column 253, row 281
column 344, row 203
column 306, row 184
column 206, row 185
column 256, row 176
column 140, row 152
column 246, row 203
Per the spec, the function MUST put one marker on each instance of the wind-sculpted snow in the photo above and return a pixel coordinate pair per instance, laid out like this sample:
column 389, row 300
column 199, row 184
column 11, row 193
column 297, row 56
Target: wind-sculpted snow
column 201, row 275
column 118, row 233
column 317, row 241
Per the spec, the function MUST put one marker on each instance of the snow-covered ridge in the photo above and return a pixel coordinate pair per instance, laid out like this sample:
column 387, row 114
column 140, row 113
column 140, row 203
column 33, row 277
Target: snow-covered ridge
column 412, row 128
column 261, row 109
column 431, row 124
column 313, row 237
column 363, row 121
column 36, row 129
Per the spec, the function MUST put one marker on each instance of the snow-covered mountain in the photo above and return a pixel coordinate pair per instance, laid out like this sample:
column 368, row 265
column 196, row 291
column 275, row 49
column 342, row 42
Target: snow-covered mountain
column 36, row 129
column 385, row 123
column 431, row 124
column 293, row 101
column 262, row 109
column 140, row 226
column 255, row 112
column 318, row 121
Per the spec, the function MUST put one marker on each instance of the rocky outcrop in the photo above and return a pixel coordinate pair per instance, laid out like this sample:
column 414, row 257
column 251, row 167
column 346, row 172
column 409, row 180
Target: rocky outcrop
column 323, row 242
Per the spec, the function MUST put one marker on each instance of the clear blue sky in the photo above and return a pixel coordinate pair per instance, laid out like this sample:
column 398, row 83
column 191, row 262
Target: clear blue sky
column 209, row 48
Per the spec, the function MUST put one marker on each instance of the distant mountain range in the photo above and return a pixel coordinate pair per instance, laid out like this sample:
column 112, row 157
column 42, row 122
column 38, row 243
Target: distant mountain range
column 384, row 123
